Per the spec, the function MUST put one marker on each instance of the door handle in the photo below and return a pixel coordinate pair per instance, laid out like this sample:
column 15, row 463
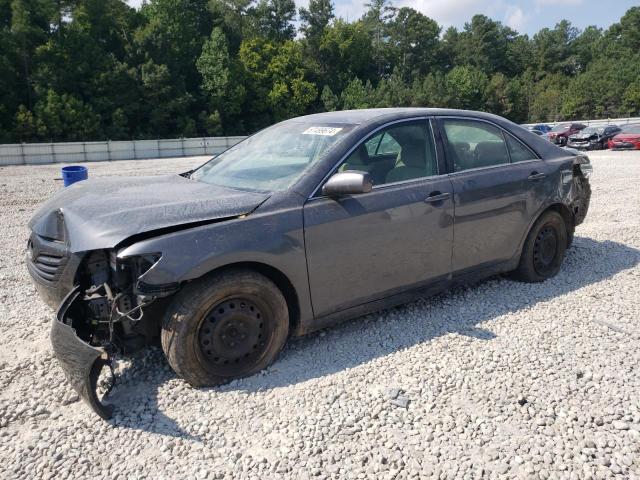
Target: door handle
column 536, row 176
column 437, row 197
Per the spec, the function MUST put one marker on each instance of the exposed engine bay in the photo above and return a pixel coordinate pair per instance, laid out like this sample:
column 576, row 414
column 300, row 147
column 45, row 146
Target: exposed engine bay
column 103, row 316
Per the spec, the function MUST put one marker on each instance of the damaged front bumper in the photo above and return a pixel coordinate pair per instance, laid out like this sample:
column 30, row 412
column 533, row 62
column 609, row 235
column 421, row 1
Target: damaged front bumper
column 81, row 362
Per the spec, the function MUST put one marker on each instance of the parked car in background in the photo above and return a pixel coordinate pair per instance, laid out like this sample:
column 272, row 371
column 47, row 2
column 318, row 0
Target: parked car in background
column 539, row 129
column 560, row 133
column 593, row 138
column 628, row 139
column 304, row 224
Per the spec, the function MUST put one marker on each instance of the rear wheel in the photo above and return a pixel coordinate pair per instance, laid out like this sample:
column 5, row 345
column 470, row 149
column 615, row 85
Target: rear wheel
column 225, row 326
column 544, row 249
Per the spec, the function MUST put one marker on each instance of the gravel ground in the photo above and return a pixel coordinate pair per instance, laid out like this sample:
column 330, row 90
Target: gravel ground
column 501, row 379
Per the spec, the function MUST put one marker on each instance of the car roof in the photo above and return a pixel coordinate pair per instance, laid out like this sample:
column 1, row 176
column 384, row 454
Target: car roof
column 371, row 115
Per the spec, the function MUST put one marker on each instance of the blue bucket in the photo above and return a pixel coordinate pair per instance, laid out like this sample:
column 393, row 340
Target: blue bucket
column 73, row 174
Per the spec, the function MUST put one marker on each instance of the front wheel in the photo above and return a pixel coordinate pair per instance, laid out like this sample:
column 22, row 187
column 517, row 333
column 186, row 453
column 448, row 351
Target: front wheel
column 225, row 326
column 544, row 249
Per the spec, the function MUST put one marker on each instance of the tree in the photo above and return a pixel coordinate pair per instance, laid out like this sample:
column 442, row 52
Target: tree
column 413, row 42
column 485, row 44
column 630, row 29
column 29, row 23
column 276, row 85
column 466, row 86
column 66, row 118
column 330, row 100
column 356, row 95
column 315, row 19
column 631, row 99
column 346, row 52
column 235, row 18
column 221, row 75
column 553, row 49
column 378, row 14
column 173, row 35
column 275, row 19
column 205, row 67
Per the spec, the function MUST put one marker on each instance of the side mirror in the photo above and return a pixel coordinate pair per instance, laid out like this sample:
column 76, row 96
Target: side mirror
column 350, row 182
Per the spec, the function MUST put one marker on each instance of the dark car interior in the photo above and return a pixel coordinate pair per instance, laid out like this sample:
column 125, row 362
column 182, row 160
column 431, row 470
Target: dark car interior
column 395, row 155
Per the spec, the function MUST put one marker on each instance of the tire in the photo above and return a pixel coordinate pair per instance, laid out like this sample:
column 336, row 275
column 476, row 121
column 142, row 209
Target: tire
column 224, row 326
column 544, row 249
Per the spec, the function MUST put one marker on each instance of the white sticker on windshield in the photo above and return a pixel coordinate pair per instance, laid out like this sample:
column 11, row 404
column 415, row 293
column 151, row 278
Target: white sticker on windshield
column 326, row 131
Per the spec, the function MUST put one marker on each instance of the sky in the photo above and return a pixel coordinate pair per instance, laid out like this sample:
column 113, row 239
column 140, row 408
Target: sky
column 525, row 16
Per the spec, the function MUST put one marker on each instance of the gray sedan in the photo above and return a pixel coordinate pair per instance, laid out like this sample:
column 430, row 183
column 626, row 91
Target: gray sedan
column 306, row 223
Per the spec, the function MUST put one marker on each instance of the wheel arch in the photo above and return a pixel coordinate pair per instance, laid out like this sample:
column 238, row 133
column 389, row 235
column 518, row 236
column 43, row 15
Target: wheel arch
column 277, row 277
column 563, row 210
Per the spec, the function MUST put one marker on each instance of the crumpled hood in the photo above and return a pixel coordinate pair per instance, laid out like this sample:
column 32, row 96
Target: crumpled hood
column 102, row 213
column 584, row 136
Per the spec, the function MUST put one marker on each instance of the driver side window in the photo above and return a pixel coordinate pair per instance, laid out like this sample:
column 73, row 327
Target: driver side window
column 397, row 153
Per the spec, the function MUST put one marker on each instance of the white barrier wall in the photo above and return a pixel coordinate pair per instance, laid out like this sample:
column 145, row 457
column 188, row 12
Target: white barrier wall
column 36, row 153
column 76, row 152
column 621, row 122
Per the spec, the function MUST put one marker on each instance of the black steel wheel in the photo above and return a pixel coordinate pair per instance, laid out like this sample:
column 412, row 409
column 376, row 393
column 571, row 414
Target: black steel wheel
column 225, row 326
column 233, row 335
column 544, row 249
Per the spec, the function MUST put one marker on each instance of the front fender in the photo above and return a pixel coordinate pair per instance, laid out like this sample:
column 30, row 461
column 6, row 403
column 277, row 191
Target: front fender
column 273, row 239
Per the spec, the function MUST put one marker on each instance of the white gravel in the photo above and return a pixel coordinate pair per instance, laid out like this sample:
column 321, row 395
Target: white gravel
column 501, row 380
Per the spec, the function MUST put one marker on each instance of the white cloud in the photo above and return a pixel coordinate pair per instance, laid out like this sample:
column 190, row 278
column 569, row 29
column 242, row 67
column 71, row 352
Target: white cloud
column 349, row 9
column 448, row 12
column 516, row 18
column 555, row 2
column 445, row 12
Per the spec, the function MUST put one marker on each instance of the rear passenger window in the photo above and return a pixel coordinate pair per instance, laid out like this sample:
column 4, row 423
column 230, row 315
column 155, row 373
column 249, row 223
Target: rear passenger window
column 474, row 144
column 518, row 152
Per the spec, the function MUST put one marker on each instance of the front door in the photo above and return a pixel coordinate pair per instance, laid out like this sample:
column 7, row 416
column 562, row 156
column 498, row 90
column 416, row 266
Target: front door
column 366, row 247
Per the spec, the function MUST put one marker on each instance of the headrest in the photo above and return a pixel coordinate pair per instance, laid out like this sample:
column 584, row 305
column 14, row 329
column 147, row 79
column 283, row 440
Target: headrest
column 491, row 153
column 413, row 155
column 361, row 156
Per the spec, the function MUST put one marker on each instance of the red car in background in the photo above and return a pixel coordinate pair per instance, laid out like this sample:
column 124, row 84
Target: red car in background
column 628, row 139
column 561, row 132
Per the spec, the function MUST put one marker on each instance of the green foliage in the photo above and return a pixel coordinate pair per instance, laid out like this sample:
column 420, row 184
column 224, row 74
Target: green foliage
column 275, row 79
column 97, row 69
column 356, row 95
column 315, row 20
column 413, row 43
column 330, row 100
column 220, row 74
column 274, row 19
column 345, row 53
column 65, row 117
column 465, row 86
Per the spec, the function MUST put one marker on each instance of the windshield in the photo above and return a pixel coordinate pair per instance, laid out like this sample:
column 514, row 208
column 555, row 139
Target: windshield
column 631, row 129
column 560, row 128
column 274, row 158
column 590, row 130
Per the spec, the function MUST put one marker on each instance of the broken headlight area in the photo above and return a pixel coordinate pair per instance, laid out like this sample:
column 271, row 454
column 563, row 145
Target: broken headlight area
column 103, row 316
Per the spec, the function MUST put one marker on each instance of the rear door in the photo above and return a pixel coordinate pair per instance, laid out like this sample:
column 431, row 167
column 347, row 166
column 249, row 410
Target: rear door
column 499, row 184
column 366, row 247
